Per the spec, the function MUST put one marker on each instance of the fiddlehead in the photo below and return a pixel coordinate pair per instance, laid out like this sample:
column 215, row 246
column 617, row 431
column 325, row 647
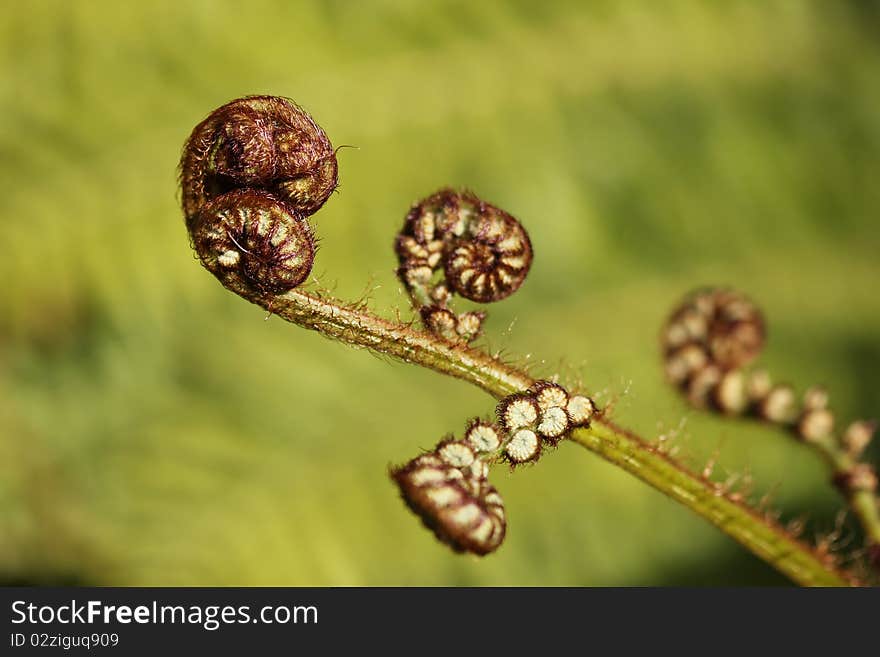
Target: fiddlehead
column 707, row 343
column 454, row 243
column 250, row 175
column 449, row 490
column 247, row 237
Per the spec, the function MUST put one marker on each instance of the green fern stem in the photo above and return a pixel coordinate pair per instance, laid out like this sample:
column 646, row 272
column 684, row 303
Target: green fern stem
column 358, row 328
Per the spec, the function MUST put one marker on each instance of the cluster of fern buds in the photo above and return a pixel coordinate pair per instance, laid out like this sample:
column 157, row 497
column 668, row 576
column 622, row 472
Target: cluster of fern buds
column 455, row 243
column 543, row 415
column 448, row 488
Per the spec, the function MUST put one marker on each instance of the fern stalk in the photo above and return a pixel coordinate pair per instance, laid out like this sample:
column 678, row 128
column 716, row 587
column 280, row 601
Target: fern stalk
column 760, row 535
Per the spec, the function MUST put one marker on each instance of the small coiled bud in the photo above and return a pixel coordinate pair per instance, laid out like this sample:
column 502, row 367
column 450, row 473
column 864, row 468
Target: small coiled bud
column 454, row 243
column 449, row 490
column 730, row 395
column 702, row 384
column 815, row 424
column 468, row 325
column 780, row 405
column 482, row 436
column 758, row 386
column 517, row 411
column 250, row 174
column 552, row 400
column 858, row 436
column 580, row 410
column 859, row 477
column 543, row 415
column 524, row 446
column 457, row 453
column 441, row 321
column 549, row 395
column 685, row 362
column 815, row 398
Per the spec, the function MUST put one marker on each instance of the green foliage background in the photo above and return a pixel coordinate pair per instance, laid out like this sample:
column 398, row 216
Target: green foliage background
column 154, row 429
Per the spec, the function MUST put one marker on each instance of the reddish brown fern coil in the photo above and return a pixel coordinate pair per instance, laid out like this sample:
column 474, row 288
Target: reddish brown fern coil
column 250, row 174
column 449, row 490
column 454, row 243
column 707, row 343
column 709, row 337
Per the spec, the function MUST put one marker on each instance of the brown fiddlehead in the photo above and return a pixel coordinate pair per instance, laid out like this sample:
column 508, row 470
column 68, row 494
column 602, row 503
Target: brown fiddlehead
column 251, row 174
column 455, row 243
column 709, row 341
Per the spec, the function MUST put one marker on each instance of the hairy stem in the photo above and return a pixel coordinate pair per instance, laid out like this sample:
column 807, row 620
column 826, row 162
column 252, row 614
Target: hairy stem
column 356, row 327
column 361, row 329
column 764, row 538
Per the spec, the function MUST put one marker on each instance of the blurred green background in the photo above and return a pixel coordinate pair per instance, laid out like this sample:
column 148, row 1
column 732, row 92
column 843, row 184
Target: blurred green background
column 155, row 429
